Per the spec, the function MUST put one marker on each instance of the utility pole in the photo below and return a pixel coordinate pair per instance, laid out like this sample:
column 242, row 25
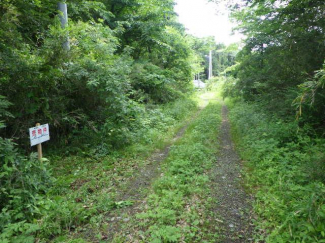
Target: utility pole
column 210, row 65
column 62, row 7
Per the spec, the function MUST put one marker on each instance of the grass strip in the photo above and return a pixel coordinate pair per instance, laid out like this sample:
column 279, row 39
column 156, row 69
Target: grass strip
column 176, row 207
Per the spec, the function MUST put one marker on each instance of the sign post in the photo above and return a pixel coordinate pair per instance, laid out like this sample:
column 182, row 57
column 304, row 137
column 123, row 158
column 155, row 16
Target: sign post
column 38, row 135
column 39, row 147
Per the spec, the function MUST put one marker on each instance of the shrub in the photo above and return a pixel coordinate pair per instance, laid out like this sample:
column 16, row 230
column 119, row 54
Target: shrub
column 24, row 182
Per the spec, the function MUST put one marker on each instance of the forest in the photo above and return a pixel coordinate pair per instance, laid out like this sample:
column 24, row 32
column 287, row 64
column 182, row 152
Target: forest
column 136, row 153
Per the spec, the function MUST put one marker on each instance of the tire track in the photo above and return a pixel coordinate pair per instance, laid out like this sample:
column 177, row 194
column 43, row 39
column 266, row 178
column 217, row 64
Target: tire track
column 233, row 203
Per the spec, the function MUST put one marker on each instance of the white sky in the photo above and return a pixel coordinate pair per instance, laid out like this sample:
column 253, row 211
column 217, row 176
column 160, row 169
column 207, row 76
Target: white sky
column 203, row 19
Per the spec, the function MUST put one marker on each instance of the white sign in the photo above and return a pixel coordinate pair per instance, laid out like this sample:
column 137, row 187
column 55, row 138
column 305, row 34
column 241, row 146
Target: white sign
column 39, row 134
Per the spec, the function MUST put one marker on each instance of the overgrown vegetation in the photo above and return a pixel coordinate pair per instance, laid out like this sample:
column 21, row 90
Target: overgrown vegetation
column 126, row 60
column 122, row 90
column 85, row 186
column 284, row 169
column 117, row 62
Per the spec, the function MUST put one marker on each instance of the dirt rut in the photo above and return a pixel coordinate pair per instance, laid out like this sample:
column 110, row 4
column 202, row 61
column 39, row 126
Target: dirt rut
column 233, row 206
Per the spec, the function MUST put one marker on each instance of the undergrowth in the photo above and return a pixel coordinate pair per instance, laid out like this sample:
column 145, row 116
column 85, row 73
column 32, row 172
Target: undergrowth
column 285, row 170
column 176, row 205
column 81, row 189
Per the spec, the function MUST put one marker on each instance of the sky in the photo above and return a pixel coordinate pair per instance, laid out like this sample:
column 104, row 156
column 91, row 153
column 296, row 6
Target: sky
column 203, row 19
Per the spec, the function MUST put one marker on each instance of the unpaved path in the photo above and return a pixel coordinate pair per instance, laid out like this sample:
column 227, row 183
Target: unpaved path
column 138, row 187
column 233, row 204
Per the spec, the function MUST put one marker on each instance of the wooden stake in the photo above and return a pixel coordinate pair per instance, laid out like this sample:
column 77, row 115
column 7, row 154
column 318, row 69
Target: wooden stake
column 39, row 148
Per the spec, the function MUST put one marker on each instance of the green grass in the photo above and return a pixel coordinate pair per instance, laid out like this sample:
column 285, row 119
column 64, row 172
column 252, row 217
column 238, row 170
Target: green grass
column 285, row 170
column 177, row 205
